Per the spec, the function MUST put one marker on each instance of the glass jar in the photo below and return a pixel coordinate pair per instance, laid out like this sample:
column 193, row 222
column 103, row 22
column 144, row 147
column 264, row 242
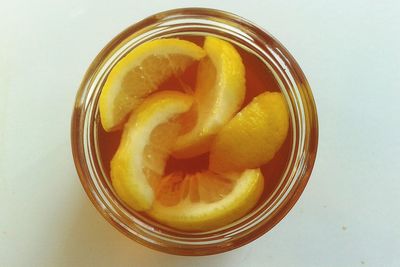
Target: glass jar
column 303, row 119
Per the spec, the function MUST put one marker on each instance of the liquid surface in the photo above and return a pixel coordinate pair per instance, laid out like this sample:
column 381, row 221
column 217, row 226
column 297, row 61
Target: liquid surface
column 258, row 80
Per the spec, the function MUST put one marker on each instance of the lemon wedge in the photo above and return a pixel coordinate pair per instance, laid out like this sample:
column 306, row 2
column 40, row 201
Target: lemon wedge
column 206, row 200
column 145, row 146
column 139, row 73
column 219, row 94
column 253, row 136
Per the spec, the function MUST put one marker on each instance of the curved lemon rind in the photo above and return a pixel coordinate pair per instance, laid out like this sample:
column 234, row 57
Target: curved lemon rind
column 128, row 179
column 253, row 136
column 133, row 59
column 202, row 216
column 230, row 92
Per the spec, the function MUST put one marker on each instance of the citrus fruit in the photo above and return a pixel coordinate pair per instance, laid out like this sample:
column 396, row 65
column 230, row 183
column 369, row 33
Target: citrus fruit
column 253, row 136
column 219, row 94
column 205, row 200
column 139, row 73
column 145, row 146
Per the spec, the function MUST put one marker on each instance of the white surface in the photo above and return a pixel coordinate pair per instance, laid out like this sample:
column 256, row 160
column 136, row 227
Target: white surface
column 347, row 216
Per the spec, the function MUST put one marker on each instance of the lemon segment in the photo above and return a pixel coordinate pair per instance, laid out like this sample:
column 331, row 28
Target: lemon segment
column 253, row 136
column 219, row 94
column 140, row 73
column 145, row 146
column 194, row 214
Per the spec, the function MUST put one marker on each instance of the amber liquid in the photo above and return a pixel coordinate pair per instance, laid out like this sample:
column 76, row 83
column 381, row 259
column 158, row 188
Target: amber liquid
column 258, row 80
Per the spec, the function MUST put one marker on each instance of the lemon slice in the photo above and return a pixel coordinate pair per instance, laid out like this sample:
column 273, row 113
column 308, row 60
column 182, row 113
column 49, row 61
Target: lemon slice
column 219, row 94
column 145, row 146
column 206, row 200
column 253, row 136
column 139, row 73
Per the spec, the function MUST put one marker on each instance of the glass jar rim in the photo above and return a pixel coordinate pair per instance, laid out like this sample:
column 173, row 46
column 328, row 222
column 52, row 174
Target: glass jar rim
column 303, row 118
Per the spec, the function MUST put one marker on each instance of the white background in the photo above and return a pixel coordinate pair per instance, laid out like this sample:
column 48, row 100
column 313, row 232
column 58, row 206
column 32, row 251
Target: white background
column 349, row 213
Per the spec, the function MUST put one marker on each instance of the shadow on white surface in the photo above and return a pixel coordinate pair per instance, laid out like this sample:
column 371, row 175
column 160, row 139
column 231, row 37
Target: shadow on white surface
column 53, row 223
column 91, row 241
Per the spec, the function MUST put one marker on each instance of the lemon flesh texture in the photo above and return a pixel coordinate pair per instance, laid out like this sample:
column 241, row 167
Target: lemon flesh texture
column 203, row 216
column 219, row 94
column 145, row 146
column 140, row 73
column 253, row 136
